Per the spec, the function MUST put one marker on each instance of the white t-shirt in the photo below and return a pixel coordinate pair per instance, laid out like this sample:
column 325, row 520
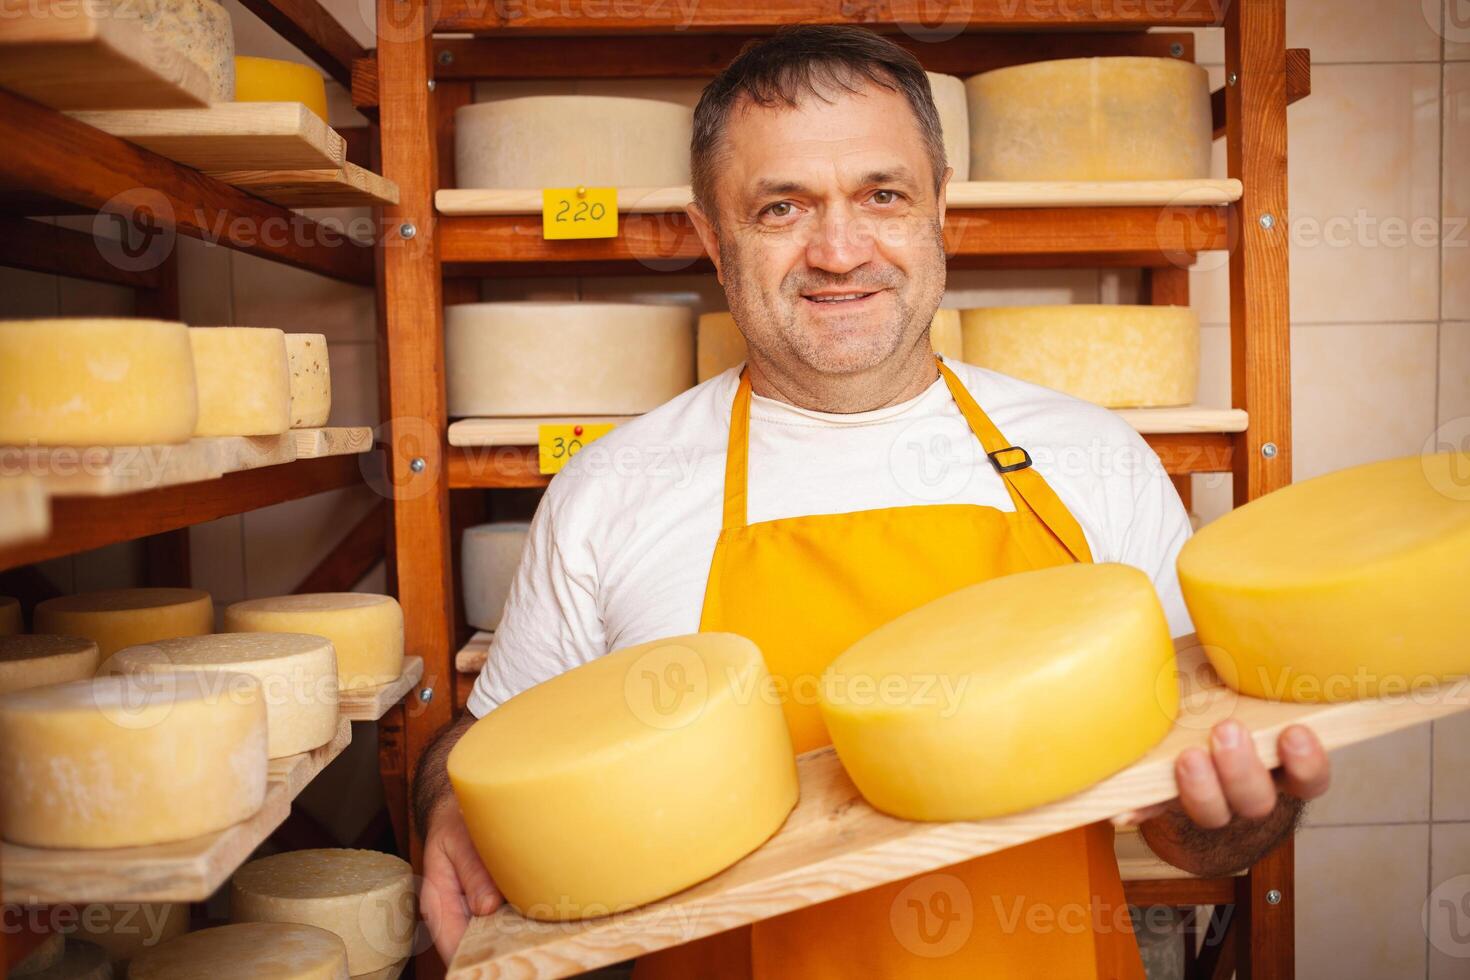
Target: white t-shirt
column 619, row 550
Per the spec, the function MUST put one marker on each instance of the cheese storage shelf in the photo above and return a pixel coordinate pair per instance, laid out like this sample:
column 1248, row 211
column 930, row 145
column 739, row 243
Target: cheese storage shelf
column 372, row 703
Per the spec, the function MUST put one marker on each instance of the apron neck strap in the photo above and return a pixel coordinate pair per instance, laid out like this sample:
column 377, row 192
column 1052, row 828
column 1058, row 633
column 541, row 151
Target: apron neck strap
column 738, row 455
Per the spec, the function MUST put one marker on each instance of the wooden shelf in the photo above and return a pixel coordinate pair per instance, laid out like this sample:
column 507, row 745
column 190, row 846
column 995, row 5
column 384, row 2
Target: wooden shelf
column 370, row 704
column 229, row 135
column 349, row 187
column 183, row 871
column 472, row 656
column 23, row 512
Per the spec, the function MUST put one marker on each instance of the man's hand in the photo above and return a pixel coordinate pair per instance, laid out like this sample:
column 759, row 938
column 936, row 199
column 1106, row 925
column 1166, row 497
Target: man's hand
column 456, row 884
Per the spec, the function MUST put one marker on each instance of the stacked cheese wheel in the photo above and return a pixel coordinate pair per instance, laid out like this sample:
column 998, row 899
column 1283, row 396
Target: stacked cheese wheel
column 366, row 631
column 273, row 80
column 489, row 557
column 246, row 951
column 126, row 930
column 35, row 661
column 954, row 121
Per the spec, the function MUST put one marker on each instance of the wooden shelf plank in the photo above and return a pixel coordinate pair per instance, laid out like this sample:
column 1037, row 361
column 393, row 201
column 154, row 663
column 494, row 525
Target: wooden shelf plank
column 370, row 704
column 349, row 187
column 229, row 135
column 24, row 515
column 472, row 656
column 1191, row 418
column 313, row 31
column 332, row 441
column 182, row 871
column 834, row 843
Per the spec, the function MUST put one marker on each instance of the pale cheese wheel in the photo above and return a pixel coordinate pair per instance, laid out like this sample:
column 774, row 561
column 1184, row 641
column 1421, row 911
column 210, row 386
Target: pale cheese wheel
column 365, row 897
column 201, row 31
column 274, row 80
column 1004, row 695
column 633, row 776
column 46, row 954
column 37, row 659
column 117, row 618
column 1116, row 356
column 721, row 346
column 1346, row 586
column 1113, row 118
column 244, row 381
column 297, row 673
column 572, row 141
column 126, row 929
column 946, row 336
column 954, row 120
column 311, row 379
column 10, row 616
column 78, row 960
column 246, row 951
column 489, row 557
column 366, row 630
column 390, row 972
column 536, row 358
column 125, row 761
column 95, row 382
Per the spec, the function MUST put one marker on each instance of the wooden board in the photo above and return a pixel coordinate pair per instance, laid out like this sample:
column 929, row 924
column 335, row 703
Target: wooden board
column 472, row 656
column 182, row 871
column 350, row 186
column 24, row 513
column 230, row 136
column 236, row 453
column 332, row 441
column 84, row 56
column 372, row 703
column 1190, row 418
column 106, row 471
column 517, row 431
column 834, row 843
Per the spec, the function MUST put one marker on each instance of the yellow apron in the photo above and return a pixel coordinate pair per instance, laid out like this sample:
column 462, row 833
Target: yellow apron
column 804, row 589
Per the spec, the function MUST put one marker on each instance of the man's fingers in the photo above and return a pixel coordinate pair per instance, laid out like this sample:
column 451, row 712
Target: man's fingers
column 1244, row 778
column 1306, row 769
column 1199, row 789
column 442, row 903
column 482, row 895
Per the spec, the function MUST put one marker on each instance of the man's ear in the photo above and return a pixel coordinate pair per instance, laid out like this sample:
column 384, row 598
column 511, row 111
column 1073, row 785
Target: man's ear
column 705, row 229
column 943, row 201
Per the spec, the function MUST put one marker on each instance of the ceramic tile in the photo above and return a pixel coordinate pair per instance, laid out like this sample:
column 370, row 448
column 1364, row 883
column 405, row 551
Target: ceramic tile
column 968, row 288
column 1452, row 768
column 285, row 542
column 1455, row 26
column 1383, row 780
column 1454, row 371
column 701, row 293
column 217, row 559
column 354, row 369
column 1447, row 909
column 1456, row 206
column 25, row 294
column 79, row 297
column 204, row 283
column 269, row 294
column 1363, row 30
column 116, row 566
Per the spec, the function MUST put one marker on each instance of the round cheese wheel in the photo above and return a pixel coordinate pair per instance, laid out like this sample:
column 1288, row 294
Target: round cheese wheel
column 274, row 80
column 201, row 31
column 95, row 382
column 126, row 761
column 489, row 556
column 127, row 929
column 954, row 120
column 1004, row 695
column 246, row 951
column 1116, row 118
column 366, row 630
column 297, row 674
column 244, row 381
column 1346, row 586
column 571, row 141
column 311, row 380
column 46, row 954
column 565, row 358
column 365, row 897
column 35, row 660
column 390, row 972
column 75, row 960
column 946, row 335
column 1116, row 356
column 634, row 776
column 117, row 618
column 10, row 617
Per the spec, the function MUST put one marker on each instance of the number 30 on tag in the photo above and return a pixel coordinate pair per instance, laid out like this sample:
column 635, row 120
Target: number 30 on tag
column 558, row 443
column 579, row 212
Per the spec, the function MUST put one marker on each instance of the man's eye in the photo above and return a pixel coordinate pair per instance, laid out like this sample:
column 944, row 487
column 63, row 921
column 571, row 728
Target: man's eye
column 885, row 197
column 779, row 210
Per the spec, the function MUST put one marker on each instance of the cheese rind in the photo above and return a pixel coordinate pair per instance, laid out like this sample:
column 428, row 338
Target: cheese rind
column 95, row 382
column 954, row 120
column 507, row 359
column 366, row 630
column 36, row 659
column 124, row 930
column 246, row 951
column 297, row 674
column 117, row 618
column 1114, row 118
column 77, row 960
column 364, row 897
column 202, row 32
column 244, row 381
column 1004, row 695
column 127, row 761
column 311, row 379
column 274, row 80
column 721, row 346
column 1346, row 586
column 634, row 776
column 1115, row 356
column 10, row 617
column 489, row 556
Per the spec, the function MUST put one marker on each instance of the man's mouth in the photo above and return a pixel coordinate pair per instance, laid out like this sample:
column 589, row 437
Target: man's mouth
column 838, row 298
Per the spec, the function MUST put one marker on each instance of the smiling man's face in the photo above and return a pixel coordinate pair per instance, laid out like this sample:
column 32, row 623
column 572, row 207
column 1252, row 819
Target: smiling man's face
column 829, row 235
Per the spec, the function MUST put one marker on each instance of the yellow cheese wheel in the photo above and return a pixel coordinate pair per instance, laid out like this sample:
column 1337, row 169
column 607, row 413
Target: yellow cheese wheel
column 366, row 630
column 244, row 381
column 311, row 380
column 633, row 776
column 73, row 960
column 570, row 358
column 1004, row 695
column 572, row 140
column 246, row 951
column 1350, row 585
column 201, row 31
column 297, row 673
column 722, row 346
column 274, row 80
column 946, row 335
column 489, row 557
column 1116, row 356
column 364, row 897
column 10, row 617
column 117, row 618
column 125, row 761
column 1118, row 118
column 95, row 382
column 124, row 930
column 35, row 660
column 954, row 121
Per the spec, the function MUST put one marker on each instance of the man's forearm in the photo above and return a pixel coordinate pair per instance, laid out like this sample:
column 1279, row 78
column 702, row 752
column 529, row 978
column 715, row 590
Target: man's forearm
column 431, row 781
column 1213, row 853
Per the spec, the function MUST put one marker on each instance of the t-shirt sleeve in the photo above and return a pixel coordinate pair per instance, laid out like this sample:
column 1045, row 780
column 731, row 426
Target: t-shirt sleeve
column 1155, row 528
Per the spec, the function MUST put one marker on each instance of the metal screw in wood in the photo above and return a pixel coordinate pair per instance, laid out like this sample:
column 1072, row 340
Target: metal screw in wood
column 1273, row 897
column 1269, row 450
column 417, row 464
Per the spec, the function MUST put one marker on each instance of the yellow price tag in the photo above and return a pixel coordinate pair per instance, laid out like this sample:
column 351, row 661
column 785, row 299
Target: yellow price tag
column 579, row 212
column 557, row 444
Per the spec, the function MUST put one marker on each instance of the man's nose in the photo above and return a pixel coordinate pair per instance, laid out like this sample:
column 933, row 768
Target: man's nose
column 840, row 241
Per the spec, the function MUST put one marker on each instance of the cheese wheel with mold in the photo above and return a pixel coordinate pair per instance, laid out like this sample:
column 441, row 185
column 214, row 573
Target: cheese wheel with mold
column 489, row 557
column 127, row 761
column 365, row 897
column 1114, row 355
column 95, row 382
column 37, row 659
column 1110, row 118
column 244, row 380
column 954, row 120
column 311, row 380
column 297, row 673
column 117, row 618
column 275, row 80
column 201, row 31
column 246, row 951
column 634, row 776
column 126, row 929
column 366, row 630
column 572, row 140
column 75, row 960
column 10, row 616
column 535, row 358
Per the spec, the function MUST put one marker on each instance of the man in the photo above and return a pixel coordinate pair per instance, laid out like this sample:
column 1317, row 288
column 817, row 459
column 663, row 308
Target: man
column 841, row 479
